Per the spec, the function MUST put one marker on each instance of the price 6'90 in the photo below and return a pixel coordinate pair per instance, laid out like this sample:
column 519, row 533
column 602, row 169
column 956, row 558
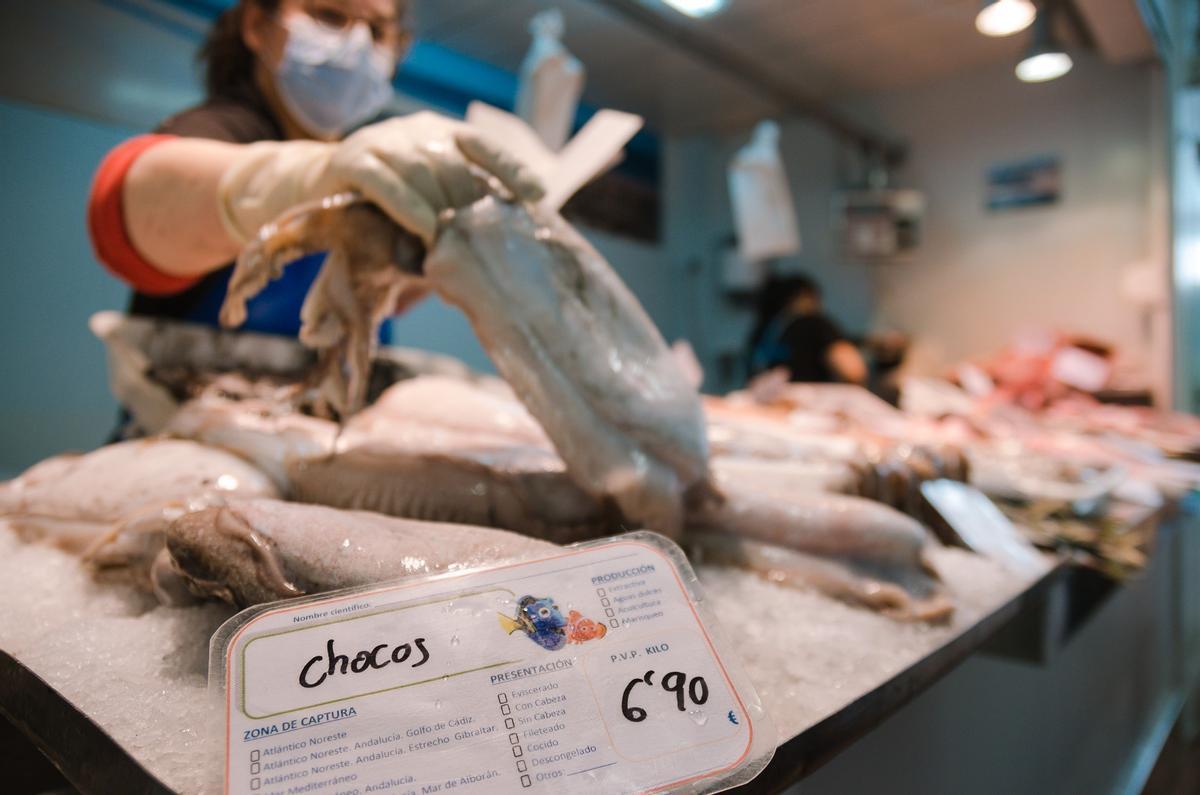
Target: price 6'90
column 674, row 682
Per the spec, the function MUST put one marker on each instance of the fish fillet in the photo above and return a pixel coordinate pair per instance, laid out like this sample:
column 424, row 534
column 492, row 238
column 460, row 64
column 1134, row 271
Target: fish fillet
column 255, row 551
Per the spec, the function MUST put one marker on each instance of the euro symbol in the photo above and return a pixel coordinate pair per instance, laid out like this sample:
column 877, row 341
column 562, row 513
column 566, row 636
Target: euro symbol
column 733, row 718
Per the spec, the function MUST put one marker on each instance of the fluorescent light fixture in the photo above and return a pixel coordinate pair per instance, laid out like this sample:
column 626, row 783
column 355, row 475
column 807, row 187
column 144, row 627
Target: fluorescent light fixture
column 696, row 8
column 1046, row 59
column 1044, row 66
column 1005, row 17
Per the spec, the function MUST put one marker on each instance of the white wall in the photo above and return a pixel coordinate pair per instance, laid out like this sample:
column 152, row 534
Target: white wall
column 981, row 276
column 1185, row 188
column 978, row 276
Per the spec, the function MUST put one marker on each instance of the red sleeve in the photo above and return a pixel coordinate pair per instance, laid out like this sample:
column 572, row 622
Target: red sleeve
column 106, row 223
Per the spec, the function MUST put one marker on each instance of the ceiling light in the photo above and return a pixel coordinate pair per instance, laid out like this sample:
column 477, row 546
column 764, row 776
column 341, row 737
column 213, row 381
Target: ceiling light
column 1004, row 17
column 1045, row 59
column 696, row 8
column 1044, row 66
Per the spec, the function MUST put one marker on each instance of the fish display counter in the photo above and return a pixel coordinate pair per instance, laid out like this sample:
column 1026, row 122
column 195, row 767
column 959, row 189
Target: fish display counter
column 112, row 687
column 851, row 552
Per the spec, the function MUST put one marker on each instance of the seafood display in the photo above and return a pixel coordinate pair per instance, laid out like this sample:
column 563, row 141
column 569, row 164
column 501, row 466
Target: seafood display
column 442, row 449
column 282, row 472
column 562, row 329
column 1059, row 469
column 843, row 434
column 597, row 430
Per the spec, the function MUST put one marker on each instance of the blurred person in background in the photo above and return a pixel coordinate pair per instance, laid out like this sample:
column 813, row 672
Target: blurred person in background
column 793, row 332
column 285, row 80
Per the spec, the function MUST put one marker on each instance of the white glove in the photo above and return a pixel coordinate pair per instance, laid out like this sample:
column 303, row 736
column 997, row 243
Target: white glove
column 412, row 167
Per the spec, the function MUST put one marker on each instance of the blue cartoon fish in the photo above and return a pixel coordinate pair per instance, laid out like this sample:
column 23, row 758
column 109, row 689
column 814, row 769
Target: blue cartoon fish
column 540, row 619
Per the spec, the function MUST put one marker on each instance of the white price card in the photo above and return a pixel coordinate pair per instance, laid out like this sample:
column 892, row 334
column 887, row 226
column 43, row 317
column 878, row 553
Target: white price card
column 982, row 527
column 597, row 669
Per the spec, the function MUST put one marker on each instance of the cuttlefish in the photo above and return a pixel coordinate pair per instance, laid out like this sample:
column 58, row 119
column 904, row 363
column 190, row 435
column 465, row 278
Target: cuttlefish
column 444, row 449
column 113, row 505
column 568, row 336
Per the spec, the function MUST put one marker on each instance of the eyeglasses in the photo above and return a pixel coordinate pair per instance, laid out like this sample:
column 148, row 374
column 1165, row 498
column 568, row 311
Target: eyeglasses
column 384, row 30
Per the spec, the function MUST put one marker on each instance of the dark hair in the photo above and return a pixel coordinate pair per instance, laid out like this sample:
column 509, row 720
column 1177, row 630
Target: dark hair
column 228, row 62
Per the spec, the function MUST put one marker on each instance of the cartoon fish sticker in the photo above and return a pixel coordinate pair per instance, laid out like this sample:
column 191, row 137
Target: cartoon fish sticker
column 580, row 629
column 540, row 619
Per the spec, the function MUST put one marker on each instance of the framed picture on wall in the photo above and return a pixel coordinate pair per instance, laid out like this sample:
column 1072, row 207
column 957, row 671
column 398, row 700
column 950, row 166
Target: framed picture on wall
column 1024, row 183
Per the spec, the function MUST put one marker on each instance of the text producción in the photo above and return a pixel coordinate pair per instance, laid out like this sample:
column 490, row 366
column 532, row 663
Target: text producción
column 314, row 673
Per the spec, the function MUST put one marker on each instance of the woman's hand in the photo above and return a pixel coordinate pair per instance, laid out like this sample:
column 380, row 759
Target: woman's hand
column 416, row 166
column 412, row 167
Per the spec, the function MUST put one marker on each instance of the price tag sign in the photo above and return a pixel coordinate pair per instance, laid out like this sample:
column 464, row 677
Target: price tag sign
column 596, row 670
column 982, row 527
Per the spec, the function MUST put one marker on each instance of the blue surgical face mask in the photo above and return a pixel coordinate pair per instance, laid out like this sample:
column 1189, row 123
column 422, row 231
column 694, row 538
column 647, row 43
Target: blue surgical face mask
column 332, row 80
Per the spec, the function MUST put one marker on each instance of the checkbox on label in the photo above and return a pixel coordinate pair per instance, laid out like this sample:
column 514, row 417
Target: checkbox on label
column 513, row 738
column 521, row 766
column 255, row 783
column 255, row 755
column 502, row 698
column 505, row 709
column 605, row 602
column 255, row 768
column 525, row 782
column 517, row 751
column 614, row 623
column 508, row 723
column 608, row 611
column 601, row 591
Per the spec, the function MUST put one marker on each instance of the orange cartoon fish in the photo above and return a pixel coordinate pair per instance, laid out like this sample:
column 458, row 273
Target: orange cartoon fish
column 580, row 629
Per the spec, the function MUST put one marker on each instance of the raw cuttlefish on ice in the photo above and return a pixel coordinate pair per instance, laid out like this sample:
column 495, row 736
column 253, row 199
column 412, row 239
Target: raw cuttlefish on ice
column 69, row 500
column 443, row 450
column 114, row 503
column 799, row 520
column 848, row 547
column 253, row 551
column 366, row 276
column 449, row 450
column 431, row 448
column 888, row 459
column 582, row 355
column 563, row 330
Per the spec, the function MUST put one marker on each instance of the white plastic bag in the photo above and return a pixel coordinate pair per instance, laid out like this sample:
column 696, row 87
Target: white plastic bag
column 762, row 203
column 551, row 81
